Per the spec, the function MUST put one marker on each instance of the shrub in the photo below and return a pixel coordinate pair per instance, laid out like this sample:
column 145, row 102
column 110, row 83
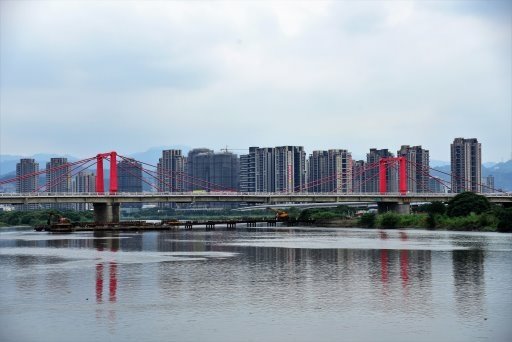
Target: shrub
column 461, row 223
column 389, row 220
column 415, row 221
column 324, row 215
column 368, row 220
column 431, row 221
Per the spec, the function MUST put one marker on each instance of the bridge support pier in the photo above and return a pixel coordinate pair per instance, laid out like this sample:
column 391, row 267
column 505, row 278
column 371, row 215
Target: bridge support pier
column 106, row 212
column 399, row 208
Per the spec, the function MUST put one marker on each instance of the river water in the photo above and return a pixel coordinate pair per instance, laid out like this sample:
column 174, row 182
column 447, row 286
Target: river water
column 262, row 284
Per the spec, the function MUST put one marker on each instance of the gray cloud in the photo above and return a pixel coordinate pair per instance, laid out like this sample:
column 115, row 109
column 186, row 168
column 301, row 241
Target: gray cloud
column 130, row 75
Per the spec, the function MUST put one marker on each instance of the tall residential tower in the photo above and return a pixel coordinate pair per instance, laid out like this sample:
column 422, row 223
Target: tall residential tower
column 58, row 179
column 171, row 168
column 211, row 171
column 27, row 181
column 330, row 171
column 372, row 171
column 272, row 169
column 466, row 165
column 418, row 167
column 84, row 181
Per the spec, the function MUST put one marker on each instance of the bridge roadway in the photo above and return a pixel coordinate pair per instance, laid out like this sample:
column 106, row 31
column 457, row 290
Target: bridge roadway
column 106, row 205
column 256, row 197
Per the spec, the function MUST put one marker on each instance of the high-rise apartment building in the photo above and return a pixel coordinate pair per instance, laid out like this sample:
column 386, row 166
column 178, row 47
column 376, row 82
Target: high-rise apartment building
column 436, row 185
column 256, row 170
column 489, row 184
column 129, row 176
column 466, row 165
column 58, row 179
column 264, row 169
column 272, row 169
column 417, row 167
column 171, row 168
column 225, row 171
column 318, row 172
column 58, row 175
column 330, row 171
column 27, row 182
column 372, row 171
column 211, row 171
column 24, row 168
column 84, row 181
column 244, row 173
column 197, row 168
column 290, row 168
column 359, row 176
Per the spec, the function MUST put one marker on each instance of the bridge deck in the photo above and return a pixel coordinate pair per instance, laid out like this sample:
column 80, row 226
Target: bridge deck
column 258, row 197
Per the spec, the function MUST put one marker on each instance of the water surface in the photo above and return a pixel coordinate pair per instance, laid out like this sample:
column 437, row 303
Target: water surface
column 262, row 284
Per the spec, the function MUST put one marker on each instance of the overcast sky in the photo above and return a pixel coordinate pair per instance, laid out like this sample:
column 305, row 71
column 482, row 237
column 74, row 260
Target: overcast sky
column 85, row 77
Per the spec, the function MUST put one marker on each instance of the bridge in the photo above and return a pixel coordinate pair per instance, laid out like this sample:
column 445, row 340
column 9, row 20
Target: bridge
column 106, row 203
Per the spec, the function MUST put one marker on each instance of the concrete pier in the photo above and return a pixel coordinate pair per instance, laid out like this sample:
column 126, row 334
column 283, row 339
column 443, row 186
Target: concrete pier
column 397, row 207
column 106, row 212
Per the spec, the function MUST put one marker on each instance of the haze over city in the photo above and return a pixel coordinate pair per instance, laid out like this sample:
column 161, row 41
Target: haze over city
column 85, row 77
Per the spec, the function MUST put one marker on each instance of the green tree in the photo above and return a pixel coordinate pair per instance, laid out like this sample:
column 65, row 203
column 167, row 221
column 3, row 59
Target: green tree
column 436, row 207
column 504, row 216
column 293, row 212
column 466, row 203
column 305, row 215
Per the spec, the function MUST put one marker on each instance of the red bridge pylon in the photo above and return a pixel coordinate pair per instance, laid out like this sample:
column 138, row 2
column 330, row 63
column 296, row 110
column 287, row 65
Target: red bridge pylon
column 384, row 164
column 100, row 181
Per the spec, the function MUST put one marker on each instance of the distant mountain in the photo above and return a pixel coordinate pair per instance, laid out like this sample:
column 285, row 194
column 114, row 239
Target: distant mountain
column 443, row 174
column 502, row 173
column 438, row 163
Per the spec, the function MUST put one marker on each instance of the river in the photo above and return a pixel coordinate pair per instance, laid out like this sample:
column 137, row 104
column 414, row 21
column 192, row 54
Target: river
column 259, row 284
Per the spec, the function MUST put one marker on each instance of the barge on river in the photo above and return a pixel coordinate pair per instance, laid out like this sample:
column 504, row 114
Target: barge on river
column 69, row 227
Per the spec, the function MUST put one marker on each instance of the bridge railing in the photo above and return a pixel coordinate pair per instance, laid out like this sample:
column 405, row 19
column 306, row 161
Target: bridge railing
column 235, row 194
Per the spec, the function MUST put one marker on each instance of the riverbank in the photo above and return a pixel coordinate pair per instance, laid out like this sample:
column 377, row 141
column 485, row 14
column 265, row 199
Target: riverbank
column 483, row 222
column 465, row 212
column 497, row 219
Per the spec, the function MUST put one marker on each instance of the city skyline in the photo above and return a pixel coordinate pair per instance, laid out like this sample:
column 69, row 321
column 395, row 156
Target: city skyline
column 322, row 75
column 279, row 169
column 239, row 152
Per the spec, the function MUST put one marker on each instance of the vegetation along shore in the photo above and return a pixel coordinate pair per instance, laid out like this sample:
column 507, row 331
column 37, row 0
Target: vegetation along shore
column 465, row 212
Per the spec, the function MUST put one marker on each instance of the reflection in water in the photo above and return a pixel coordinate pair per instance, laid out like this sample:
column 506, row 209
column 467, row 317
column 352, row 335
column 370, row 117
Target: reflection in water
column 112, row 282
column 384, row 266
column 468, row 280
column 99, row 283
column 111, row 244
column 303, row 291
column 291, row 275
column 404, row 265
